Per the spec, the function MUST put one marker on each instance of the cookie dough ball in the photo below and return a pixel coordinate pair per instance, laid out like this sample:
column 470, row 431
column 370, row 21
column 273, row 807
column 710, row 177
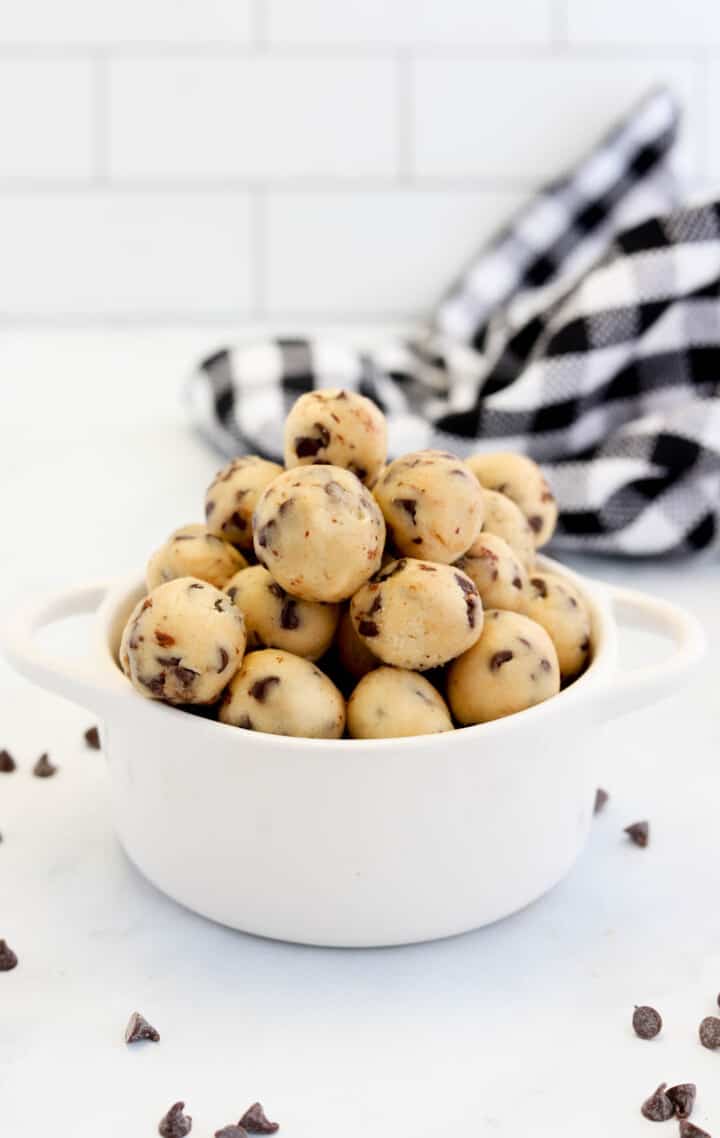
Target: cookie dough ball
column 501, row 579
column 418, row 615
column 432, row 505
column 183, row 642
column 392, row 703
column 273, row 619
column 521, row 479
column 319, row 532
column 559, row 607
column 338, row 427
column 353, row 653
column 232, row 497
column 193, row 551
column 506, row 520
column 283, row 694
column 511, row 667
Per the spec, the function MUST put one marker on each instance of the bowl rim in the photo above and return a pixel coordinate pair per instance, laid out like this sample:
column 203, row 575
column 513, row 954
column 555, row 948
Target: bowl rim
column 602, row 665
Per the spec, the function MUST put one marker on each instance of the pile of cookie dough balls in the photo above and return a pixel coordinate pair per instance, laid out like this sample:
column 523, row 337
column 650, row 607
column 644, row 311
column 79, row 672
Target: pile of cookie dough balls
column 345, row 594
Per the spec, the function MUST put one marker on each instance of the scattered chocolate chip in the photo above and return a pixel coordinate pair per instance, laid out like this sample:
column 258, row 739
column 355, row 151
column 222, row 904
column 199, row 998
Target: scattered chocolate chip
column 601, row 799
column 43, row 767
column 535, row 523
column 308, row 447
column 690, row 1130
column 223, row 658
column 231, row 1132
column 164, row 639
column 138, row 1028
column 92, row 738
column 7, row 762
column 682, row 1097
column 8, row 959
column 289, row 617
column 175, row 1124
column 260, row 688
column 409, row 505
column 500, row 658
column 647, row 1022
column 539, row 585
column 709, row 1032
column 639, row 833
column 368, row 628
column 255, row 1122
column 658, row 1107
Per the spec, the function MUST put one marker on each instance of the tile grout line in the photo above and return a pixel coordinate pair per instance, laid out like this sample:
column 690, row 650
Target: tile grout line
column 101, row 120
column 559, row 28
column 259, row 24
column 404, row 117
column 258, row 251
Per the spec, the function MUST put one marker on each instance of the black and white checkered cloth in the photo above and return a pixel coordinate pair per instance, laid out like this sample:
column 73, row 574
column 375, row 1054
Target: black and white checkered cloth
column 586, row 334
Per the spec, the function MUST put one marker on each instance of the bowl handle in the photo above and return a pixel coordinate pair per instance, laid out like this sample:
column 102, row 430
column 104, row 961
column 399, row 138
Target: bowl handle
column 639, row 687
column 76, row 680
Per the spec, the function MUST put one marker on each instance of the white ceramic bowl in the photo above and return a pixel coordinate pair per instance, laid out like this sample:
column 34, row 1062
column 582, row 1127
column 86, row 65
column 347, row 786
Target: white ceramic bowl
column 351, row 842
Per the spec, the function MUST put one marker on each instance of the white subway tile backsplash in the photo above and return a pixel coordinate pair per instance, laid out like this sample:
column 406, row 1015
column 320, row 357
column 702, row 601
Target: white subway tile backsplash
column 46, row 118
column 644, row 23
column 114, row 254
column 125, row 21
column 252, row 117
column 408, row 22
column 372, row 253
column 529, row 118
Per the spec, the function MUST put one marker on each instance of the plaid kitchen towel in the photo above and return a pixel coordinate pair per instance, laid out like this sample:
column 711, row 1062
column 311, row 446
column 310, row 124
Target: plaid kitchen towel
column 586, row 334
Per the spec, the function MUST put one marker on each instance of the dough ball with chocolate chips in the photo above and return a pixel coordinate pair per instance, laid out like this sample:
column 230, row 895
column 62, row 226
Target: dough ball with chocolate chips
column 337, row 427
column 193, row 551
column 353, row 653
column 283, row 694
column 501, row 579
column 511, row 667
column 432, row 504
column 232, row 497
column 320, row 532
column 417, row 615
column 392, row 703
column 183, row 642
column 519, row 478
column 274, row 619
column 506, row 520
column 560, row 608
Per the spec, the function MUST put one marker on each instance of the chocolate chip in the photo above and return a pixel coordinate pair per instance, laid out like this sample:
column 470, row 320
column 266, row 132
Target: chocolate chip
column 545, row 665
column 392, row 569
column 471, row 603
column 245, row 721
column 147, row 603
column 368, row 628
column 525, row 641
column 517, row 583
column 263, row 534
column 8, row 959
column 164, row 639
column 219, row 605
column 236, row 520
column 307, row 447
column 138, row 1029
column 601, row 798
column 7, row 762
column 535, row 523
column 255, row 1122
column 709, row 1032
column 289, row 617
column 288, row 503
column 195, row 585
column 43, row 767
column 500, row 658
column 658, row 1107
column 417, row 541
column 260, row 688
column 585, row 646
column 426, row 568
column 276, row 590
column 682, row 1097
column 231, row 1132
column 409, row 505
column 376, row 605
column 690, row 1130
column 465, row 584
column 639, row 833
column 175, row 1124
column 168, row 661
column 232, row 592
column 539, row 585
column 156, row 684
column 186, row 676
column 647, row 1022
column 209, row 507
column 92, row 738
column 224, row 659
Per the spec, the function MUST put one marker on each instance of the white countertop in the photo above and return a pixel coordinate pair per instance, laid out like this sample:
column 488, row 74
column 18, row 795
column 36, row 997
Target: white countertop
column 522, row 1028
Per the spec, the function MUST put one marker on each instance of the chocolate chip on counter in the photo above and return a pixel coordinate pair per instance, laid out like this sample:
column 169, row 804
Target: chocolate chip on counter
column 682, row 1097
column 709, row 1032
column 175, row 1124
column 601, row 800
column 43, row 767
column 231, row 1132
column 500, row 658
column 658, row 1107
column 690, row 1130
column 255, row 1121
column 92, row 738
column 647, row 1022
column 260, row 688
column 138, row 1028
column 639, row 833
column 7, row 762
column 8, row 959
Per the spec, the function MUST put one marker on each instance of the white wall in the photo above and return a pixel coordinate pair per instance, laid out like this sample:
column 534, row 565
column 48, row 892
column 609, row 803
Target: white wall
column 207, row 160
